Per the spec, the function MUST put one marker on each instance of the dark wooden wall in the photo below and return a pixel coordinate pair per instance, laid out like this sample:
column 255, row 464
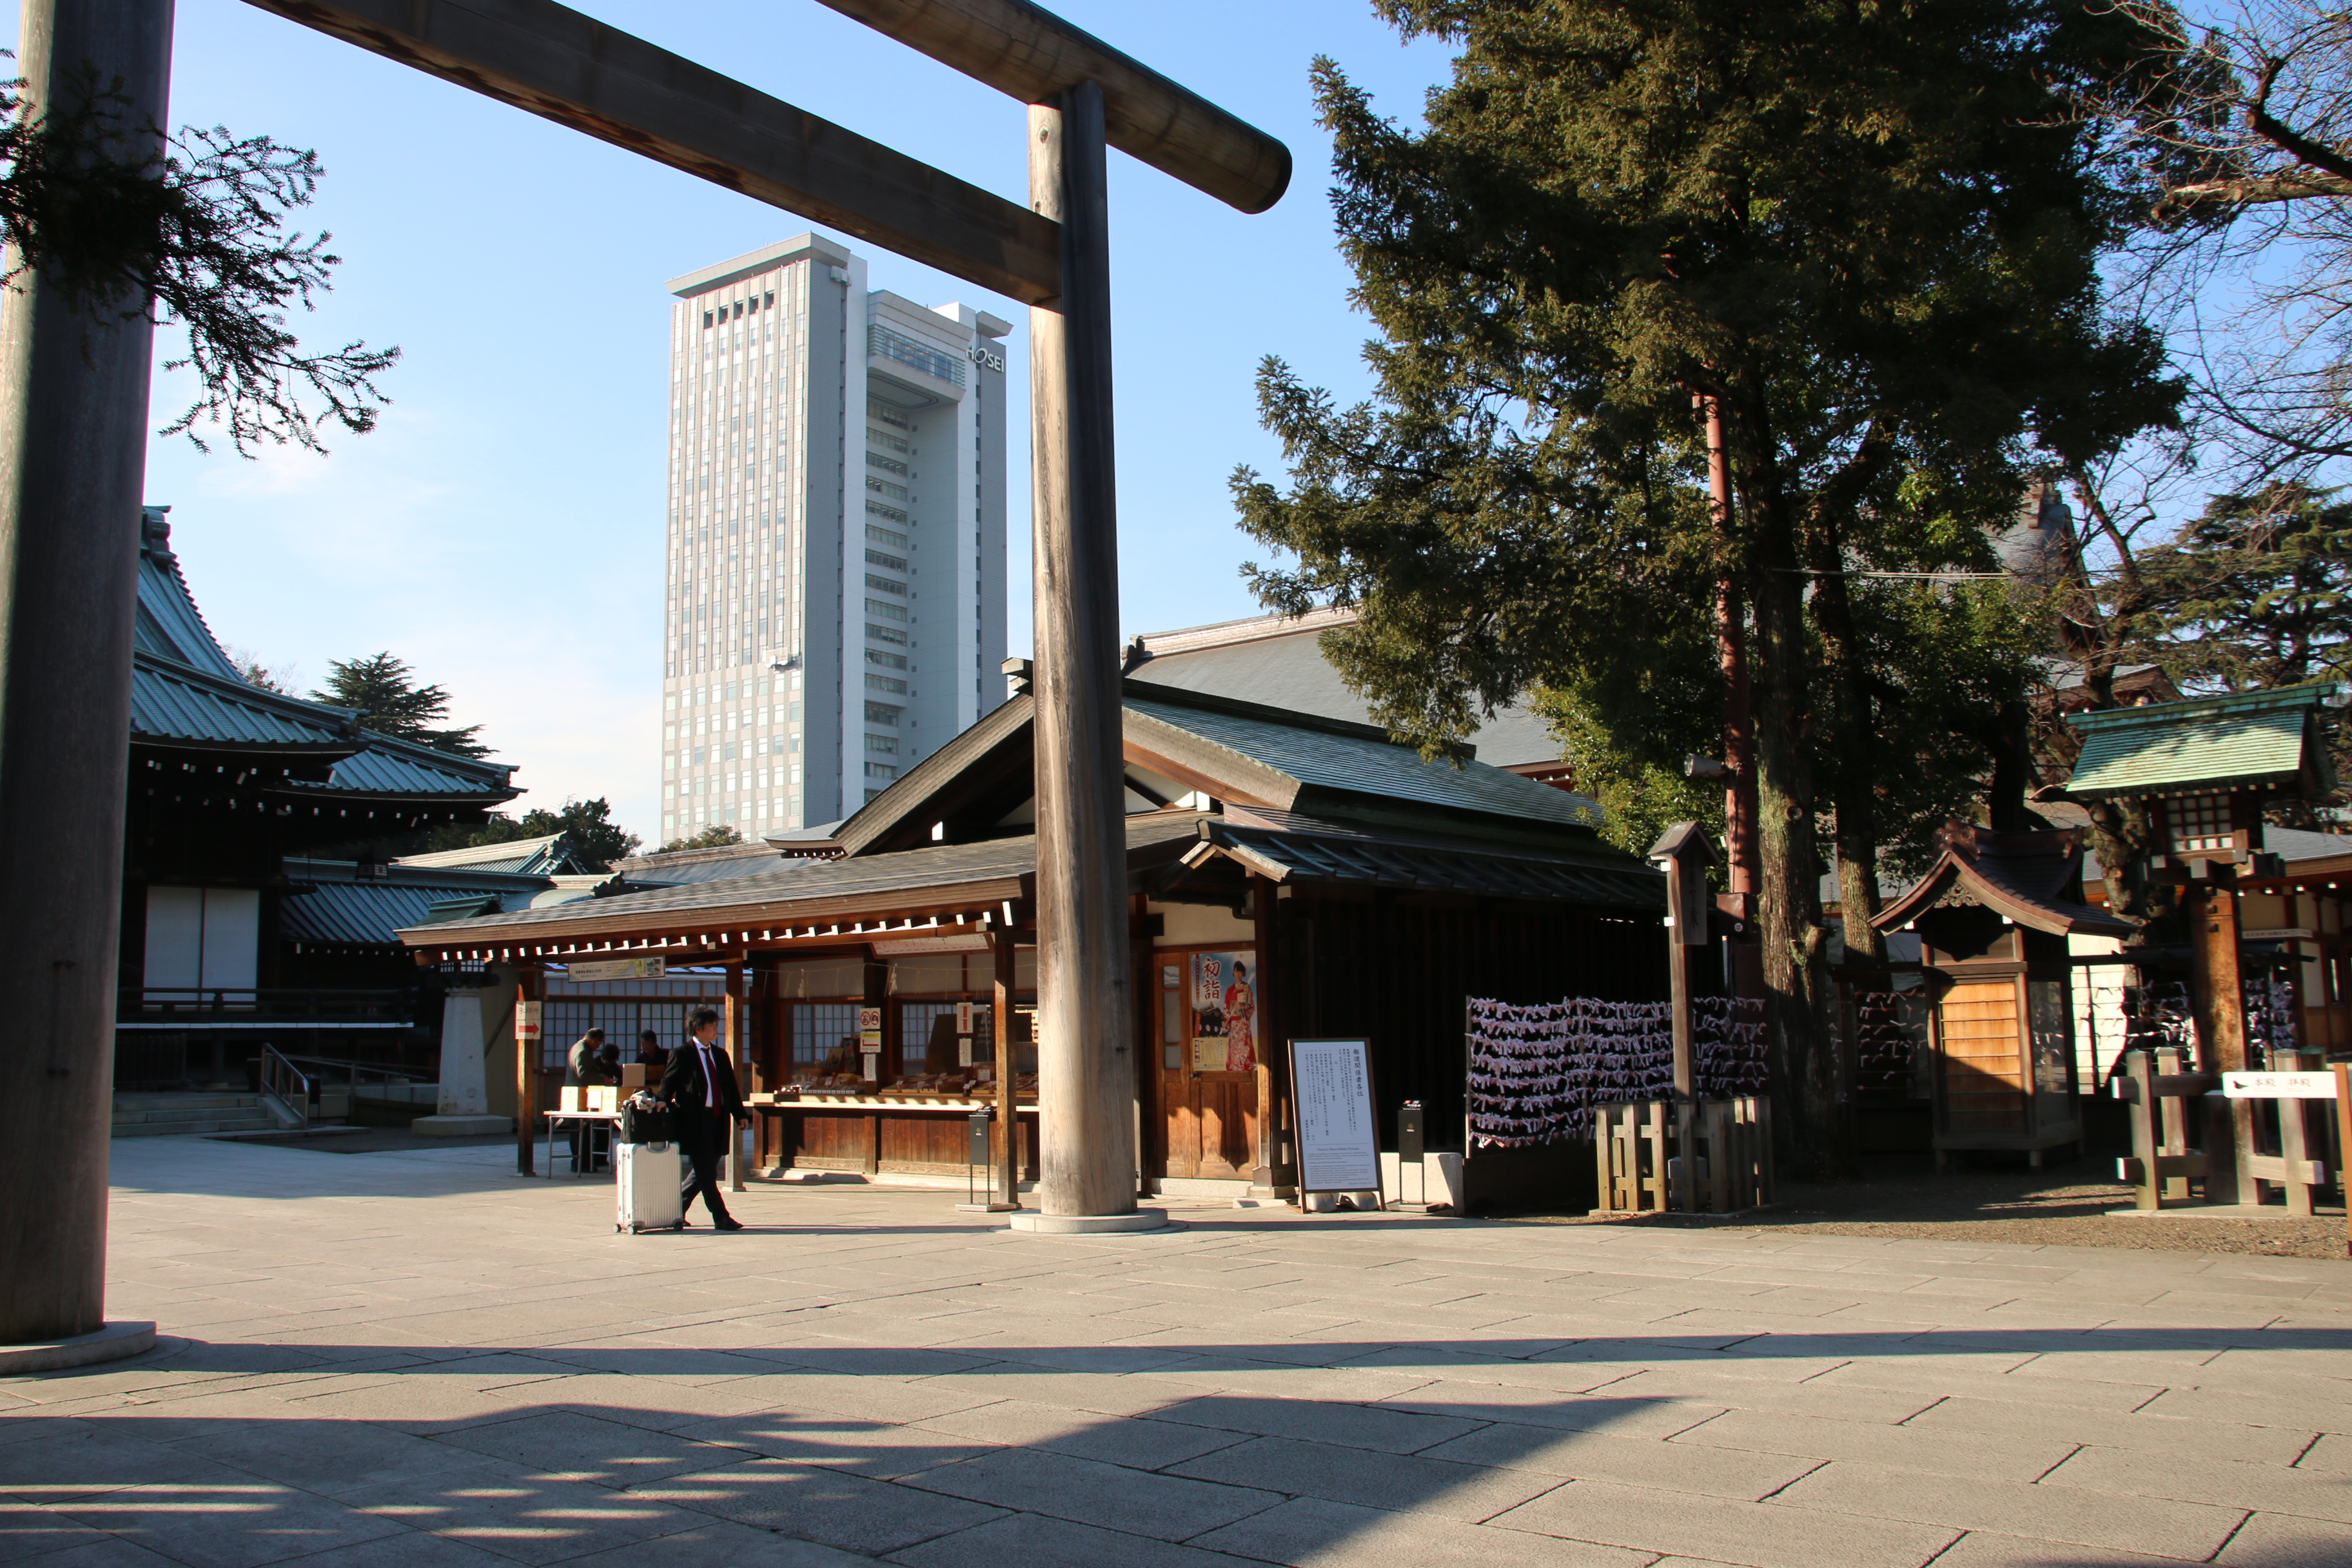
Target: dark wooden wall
column 1396, row 971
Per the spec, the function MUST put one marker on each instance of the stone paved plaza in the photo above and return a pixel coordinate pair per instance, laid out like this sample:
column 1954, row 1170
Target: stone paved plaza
column 419, row 1360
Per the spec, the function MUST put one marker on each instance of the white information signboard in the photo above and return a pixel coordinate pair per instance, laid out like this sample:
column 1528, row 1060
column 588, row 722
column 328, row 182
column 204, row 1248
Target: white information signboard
column 647, row 968
column 1339, row 1143
column 2279, row 1085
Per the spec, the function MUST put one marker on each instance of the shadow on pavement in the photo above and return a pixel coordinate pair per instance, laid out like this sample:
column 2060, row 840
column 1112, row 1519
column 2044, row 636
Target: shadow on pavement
column 1030, row 1456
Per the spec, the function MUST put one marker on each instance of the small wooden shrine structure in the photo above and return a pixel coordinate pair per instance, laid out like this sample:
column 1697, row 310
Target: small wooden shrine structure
column 2203, row 771
column 1993, row 915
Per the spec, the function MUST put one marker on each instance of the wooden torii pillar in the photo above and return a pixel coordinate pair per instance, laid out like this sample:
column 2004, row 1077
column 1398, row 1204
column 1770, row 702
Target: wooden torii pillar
column 73, row 453
column 73, row 433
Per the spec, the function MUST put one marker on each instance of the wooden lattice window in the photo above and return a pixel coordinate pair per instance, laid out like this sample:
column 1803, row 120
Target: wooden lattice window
column 2195, row 823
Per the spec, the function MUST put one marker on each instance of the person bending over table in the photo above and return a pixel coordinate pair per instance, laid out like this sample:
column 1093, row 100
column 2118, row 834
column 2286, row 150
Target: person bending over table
column 699, row 1087
column 586, row 1064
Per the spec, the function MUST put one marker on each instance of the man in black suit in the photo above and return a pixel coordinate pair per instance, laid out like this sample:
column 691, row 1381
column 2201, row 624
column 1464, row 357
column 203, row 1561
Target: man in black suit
column 699, row 1085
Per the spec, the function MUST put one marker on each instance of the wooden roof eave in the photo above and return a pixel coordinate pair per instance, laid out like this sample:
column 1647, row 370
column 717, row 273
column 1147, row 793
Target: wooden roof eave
column 2056, row 921
column 490, row 930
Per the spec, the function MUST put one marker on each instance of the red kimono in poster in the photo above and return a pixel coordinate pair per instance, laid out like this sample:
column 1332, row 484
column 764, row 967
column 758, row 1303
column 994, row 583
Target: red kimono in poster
column 1241, row 1022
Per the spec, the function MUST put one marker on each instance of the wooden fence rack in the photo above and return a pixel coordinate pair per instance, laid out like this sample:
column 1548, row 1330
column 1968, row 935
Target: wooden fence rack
column 1638, row 1149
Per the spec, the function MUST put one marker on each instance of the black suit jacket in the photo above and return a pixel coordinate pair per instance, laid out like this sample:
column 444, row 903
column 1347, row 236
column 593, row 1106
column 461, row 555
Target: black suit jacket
column 682, row 1084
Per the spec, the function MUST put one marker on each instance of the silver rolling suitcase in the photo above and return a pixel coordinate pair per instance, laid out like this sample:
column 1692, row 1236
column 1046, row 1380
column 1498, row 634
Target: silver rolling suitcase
column 645, row 1178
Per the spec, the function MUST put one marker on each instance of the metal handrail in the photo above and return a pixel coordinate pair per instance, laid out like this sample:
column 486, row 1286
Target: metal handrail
column 389, row 1072
column 288, row 1085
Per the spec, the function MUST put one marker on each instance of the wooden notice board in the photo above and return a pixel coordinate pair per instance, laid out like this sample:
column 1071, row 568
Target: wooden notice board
column 1338, row 1141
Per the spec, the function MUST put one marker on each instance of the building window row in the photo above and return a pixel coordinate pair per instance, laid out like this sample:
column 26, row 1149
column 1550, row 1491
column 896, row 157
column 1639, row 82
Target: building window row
column 881, row 343
column 756, row 302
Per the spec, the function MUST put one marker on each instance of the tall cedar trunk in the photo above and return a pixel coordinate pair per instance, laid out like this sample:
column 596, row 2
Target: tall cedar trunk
column 2012, row 769
column 1803, row 1068
column 1854, row 740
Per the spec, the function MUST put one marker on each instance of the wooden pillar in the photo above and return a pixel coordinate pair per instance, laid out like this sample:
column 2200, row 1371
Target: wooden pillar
column 1003, row 952
column 2218, row 997
column 531, row 988
column 1086, row 1079
column 73, row 447
column 734, row 1027
column 2344, row 1140
column 1274, row 1028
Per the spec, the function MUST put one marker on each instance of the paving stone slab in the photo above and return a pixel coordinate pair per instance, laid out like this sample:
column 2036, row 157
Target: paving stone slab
column 1403, row 1483
column 1757, row 1536
column 243, row 1526
column 2312, row 1413
column 1903, row 1448
column 2283, row 1540
column 2146, row 1433
column 1164, row 1506
column 1035, row 1541
column 818, row 1503
column 1590, row 1455
column 2189, row 1475
column 2073, row 1515
column 1312, row 1532
column 1989, row 1548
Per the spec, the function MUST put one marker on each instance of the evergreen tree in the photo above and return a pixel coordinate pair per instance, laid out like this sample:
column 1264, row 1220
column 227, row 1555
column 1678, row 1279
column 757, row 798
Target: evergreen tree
column 714, row 836
column 384, row 691
column 1868, row 232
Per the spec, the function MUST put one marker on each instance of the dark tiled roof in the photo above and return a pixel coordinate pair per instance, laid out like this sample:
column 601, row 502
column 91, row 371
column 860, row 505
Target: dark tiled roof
column 185, row 693
column 996, row 867
column 1279, row 662
column 390, row 768
column 168, row 625
column 174, row 702
column 1369, row 764
column 338, row 904
column 2210, row 742
column 2035, row 879
column 680, row 867
column 355, row 914
column 547, row 856
column 1367, row 861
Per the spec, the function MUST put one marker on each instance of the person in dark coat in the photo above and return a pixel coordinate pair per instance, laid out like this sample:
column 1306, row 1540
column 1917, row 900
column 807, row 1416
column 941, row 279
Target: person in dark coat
column 699, row 1087
column 584, row 1066
column 649, row 1050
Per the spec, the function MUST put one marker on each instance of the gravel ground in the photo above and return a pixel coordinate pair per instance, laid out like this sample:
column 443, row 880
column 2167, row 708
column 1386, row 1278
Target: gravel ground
column 2033, row 1208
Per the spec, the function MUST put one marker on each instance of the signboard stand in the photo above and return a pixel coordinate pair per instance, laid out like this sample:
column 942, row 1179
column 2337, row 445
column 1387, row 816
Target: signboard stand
column 1339, row 1137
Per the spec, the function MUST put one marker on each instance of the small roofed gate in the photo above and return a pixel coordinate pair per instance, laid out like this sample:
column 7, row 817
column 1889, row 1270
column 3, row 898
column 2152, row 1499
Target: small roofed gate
column 1993, row 915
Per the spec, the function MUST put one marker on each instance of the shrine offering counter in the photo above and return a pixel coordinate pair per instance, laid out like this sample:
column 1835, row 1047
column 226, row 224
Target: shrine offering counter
column 890, row 1086
column 884, row 1132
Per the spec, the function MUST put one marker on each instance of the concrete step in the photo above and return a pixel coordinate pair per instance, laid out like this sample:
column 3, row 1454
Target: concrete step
column 190, row 1128
column 180, row 1115
column 123, row 1102
column 187, row 1113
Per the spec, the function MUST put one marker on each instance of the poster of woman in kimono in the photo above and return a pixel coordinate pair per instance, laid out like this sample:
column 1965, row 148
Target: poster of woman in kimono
column 1224, row 1012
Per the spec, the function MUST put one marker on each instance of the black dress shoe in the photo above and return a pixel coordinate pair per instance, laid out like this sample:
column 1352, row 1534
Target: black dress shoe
column 726, row 1222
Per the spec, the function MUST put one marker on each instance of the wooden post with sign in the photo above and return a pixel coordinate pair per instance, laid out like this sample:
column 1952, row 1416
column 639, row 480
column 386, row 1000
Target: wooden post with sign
column 734, row 1026
column 529, row 985
column 1684, row 852
column 2344, row 1142
column 1002, row 951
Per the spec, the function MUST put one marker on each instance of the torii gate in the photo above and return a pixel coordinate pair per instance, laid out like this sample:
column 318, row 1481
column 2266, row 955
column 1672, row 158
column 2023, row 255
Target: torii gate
column 73, row 434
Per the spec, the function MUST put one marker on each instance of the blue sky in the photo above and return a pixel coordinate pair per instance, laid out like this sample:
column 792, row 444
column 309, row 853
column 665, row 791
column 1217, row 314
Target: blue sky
column 501, row 530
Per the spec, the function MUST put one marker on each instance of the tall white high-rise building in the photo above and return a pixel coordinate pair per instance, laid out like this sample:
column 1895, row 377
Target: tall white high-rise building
column 836, row 538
